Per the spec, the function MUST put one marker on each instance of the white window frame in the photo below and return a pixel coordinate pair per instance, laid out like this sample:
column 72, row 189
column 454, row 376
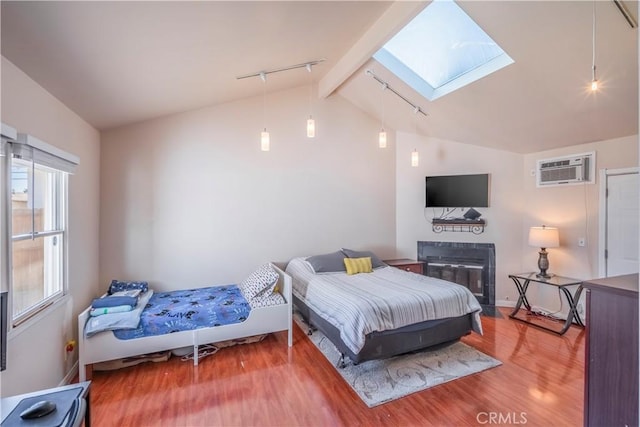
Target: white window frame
column 45, row 157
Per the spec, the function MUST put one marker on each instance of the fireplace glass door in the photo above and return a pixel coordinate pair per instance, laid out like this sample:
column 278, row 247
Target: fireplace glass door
column 469, row 276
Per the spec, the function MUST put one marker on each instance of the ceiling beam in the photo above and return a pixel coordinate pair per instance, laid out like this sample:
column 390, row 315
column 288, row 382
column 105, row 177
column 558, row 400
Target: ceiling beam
column 391, row 21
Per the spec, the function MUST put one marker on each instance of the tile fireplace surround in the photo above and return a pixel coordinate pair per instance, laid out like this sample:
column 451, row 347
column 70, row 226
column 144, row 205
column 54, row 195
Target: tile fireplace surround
column 472, row 265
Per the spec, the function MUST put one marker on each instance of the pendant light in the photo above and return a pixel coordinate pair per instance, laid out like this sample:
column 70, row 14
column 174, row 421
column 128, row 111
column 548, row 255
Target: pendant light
column 415, row 156
column 594, row 80
column 311, row 124
column 264, row 135
column 382, row 136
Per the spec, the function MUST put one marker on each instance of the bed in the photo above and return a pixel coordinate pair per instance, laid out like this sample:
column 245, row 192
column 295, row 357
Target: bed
column 381, row 313
column 104, row 346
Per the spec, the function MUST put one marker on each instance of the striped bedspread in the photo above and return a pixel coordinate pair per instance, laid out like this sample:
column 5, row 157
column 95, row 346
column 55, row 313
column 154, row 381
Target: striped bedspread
column 388, row 298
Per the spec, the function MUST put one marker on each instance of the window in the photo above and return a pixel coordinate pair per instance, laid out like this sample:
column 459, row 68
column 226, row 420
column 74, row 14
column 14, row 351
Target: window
column 441, row 50
column 37, row 207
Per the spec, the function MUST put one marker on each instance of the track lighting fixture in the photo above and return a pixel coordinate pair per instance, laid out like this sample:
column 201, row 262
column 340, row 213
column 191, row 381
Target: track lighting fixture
column 311, row 124
column 382, row 136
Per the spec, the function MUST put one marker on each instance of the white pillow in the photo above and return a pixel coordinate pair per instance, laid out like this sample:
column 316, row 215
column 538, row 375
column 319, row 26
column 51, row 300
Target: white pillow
column 260, row 282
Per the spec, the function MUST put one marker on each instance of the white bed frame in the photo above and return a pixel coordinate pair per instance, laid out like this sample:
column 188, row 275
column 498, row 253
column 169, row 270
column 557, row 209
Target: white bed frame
column 105, row 346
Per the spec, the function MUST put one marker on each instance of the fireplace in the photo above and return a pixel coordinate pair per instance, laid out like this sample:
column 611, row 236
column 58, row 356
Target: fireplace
column 472, row 265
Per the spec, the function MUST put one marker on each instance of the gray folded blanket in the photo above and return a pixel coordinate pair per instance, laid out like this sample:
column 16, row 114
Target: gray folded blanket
column 113, row 301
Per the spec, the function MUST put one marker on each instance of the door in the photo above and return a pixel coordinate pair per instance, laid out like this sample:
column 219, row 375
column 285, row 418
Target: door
column 620, row 229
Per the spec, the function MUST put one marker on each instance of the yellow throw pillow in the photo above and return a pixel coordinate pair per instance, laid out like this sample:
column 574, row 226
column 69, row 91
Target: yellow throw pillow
column 358, row 265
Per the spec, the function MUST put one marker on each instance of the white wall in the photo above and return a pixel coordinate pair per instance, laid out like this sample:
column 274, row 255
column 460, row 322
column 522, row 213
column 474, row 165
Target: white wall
column 574, row 209
column 190, row 200
column 35, row 357
column 503, row 216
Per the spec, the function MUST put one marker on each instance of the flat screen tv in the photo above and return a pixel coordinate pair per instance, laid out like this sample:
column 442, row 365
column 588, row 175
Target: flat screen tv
column 457, row 191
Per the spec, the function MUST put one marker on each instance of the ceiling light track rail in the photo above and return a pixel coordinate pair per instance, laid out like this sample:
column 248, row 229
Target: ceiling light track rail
column 623, row 9
column 385, row 85
column 262, row 74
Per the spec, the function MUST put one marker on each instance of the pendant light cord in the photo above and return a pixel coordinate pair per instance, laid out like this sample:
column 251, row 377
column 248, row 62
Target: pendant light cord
column 263, row 76
column 310, row 89
column 384, row 87
column 593, row 45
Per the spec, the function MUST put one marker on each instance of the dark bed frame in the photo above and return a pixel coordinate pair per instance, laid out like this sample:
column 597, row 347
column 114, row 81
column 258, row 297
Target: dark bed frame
column 381, row 345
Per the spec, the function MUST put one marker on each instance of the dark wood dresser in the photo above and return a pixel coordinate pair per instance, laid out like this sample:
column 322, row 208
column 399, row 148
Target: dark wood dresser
column 611, row 356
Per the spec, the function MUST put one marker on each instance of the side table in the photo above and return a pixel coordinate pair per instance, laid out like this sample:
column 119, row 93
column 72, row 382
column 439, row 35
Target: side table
column 522, row 282
column 406, row 264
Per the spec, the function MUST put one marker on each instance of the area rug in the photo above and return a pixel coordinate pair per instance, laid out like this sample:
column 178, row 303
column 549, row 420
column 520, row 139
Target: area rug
column 381, row 381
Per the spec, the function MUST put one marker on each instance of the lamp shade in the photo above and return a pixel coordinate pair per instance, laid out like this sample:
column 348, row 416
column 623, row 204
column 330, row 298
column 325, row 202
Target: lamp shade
column 544, row 237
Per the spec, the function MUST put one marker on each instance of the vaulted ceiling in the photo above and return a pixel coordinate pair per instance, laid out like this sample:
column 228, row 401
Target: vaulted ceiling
column 116, row 63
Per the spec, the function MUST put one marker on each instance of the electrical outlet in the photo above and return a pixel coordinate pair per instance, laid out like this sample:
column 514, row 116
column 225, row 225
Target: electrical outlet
column 506, row 298
column 582, row 242
column 580, row 308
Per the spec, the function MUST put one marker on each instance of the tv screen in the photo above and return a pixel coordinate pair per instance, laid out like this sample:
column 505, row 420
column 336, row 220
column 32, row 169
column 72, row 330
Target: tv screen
column 457, row 191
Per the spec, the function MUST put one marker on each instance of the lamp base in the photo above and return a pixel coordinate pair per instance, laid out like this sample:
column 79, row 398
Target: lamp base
column 543, row 264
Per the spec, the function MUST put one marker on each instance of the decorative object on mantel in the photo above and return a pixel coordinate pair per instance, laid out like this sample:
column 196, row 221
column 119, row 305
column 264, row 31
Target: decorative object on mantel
column 475, row 226
column 543, row 237
column 380, row 381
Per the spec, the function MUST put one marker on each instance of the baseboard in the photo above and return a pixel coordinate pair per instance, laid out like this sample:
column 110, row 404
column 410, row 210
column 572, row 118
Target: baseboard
column 505, row 303
column 70, row 375
column 559, row 315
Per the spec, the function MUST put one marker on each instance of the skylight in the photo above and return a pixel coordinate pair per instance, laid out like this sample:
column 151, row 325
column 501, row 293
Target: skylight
column 441, row 50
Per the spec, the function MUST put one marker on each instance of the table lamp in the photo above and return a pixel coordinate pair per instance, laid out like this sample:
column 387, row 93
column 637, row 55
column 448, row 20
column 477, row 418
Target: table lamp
column 543, row 237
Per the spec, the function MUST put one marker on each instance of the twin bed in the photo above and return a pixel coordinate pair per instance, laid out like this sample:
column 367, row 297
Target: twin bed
column 104, row 346
column 376, row 314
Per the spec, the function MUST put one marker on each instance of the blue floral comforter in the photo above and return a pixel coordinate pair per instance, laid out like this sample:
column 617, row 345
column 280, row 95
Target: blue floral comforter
column 168, row 312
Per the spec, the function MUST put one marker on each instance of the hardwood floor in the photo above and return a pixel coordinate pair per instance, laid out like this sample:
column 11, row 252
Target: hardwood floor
column 268, row 384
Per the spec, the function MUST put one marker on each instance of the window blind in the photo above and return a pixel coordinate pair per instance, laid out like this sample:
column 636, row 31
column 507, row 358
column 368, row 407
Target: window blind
column 30, row 148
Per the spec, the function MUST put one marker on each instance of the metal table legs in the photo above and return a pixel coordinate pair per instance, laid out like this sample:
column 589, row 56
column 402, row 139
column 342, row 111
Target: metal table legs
column 571, row 298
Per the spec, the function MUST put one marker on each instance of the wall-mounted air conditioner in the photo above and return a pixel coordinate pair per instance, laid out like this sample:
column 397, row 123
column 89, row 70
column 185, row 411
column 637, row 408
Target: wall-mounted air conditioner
column 566, row 170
